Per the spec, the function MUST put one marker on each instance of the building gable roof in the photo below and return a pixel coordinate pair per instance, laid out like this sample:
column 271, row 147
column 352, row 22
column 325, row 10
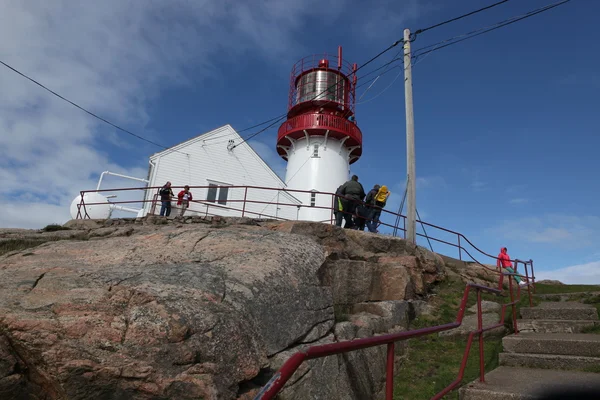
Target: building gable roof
column 225, row 133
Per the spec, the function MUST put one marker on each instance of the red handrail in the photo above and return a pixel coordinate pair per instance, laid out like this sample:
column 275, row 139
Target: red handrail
column 461, row 238
column 291, row 365
column 277, row 382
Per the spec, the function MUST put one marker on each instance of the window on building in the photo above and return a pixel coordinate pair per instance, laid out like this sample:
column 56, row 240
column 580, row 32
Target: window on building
column 313, row 198
column 223, row 192
column 316, row 151
column 217, row 193
column 212, row 192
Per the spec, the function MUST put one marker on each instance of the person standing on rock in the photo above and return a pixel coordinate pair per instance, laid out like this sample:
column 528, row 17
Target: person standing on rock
column 505, row 262
column 338, row 208
column 370, row 202
column 353, row 193
column 378, row 202
column 166, row 194
column 183, row 199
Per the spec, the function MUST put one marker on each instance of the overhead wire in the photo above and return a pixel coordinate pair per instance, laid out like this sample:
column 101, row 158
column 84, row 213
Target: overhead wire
column 378, row 76
column 396, row 43
column 481, row 31
column 82, row 108
column 418, row 31
column 275, row 120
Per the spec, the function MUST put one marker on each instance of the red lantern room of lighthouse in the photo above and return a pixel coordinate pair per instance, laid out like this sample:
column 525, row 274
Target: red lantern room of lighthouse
column 320, row 138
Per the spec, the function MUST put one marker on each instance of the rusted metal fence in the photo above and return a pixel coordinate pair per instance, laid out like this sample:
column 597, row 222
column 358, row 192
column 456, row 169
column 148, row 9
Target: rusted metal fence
column 278, row 381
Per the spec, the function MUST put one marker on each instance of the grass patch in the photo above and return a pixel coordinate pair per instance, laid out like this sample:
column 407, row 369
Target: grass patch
column 595, row 368
column 341, row 313
column 591, row 329
column 432, row 363
column 6, row 246
column 541, row 288
column 55, row 227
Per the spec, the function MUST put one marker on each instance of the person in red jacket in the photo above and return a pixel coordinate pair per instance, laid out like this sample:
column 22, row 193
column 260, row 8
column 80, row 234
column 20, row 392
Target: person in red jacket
column 503, row 261
column 183, row 199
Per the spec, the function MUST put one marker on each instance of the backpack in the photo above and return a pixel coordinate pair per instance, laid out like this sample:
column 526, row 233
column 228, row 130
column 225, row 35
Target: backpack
column 381, row 195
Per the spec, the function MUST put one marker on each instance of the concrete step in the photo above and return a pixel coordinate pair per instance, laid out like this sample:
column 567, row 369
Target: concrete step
column 525, row 383
column 569, row 344
column 564, row 310
column 555, row 325
column 550, row 361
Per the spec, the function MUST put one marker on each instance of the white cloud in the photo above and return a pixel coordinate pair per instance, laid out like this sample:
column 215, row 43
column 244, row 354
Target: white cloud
column 577, row 274
column 518, row 200
column 567, row 231
column 269, row 155
column 428, row 182
column 516, row 188
column 112, row 57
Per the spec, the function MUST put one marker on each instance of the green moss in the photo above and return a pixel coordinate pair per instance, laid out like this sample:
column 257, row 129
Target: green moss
column 55, row 227
column 341, row 313
column 433, row 363
column 9, row 245
column 541, row 288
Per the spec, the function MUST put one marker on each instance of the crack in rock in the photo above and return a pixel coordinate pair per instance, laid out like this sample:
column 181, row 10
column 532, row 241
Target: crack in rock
column 37, row 281
column 198, row 241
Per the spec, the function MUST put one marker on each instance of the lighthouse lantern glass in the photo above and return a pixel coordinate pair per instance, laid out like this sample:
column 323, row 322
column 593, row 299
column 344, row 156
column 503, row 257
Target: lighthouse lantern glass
column 321, row 85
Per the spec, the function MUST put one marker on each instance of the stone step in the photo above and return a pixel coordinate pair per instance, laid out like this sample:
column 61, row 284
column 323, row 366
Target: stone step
column 550, row 361
column 528, row 384
column 555, row 325
column 570, row 344
column 564, row 310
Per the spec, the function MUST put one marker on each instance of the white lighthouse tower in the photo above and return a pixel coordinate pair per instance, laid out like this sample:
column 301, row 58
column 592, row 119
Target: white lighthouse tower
column 320, row 138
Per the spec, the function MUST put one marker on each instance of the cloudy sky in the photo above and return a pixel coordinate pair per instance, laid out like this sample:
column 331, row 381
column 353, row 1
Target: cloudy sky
column 506, row 123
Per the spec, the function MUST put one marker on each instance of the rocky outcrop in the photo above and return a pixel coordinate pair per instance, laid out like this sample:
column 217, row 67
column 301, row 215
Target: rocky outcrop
column 201, row 308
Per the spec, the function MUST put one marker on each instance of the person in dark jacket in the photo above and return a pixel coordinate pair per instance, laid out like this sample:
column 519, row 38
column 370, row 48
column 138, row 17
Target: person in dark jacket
column 338, row 208
column 362, row 215
column 166, row 194
column 354, row 194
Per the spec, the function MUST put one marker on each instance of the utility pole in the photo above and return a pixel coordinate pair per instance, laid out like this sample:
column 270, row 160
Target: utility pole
column 411, row 226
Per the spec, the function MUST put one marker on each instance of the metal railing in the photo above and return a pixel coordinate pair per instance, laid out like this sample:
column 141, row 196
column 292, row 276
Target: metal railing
column 249, row 196
column 278, row 381
column 291, row 365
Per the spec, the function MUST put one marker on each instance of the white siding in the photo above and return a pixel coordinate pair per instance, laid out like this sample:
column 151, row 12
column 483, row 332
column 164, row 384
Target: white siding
column 199, row 162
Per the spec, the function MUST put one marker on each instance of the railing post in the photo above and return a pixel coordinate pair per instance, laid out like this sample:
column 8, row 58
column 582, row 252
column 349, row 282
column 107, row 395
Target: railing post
column 244, row 204
column 79, row 207
column 513, row 306
column 481, row 349
column 459, row 248
column 528, row 284
column 332, row 208
column 389, row 378
column 532, row 275
column 84, row 208
column 404, row 226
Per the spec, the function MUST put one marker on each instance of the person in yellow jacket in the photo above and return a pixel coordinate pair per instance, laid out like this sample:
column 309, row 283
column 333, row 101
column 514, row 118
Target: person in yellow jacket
column 377, row 200
column 338, row 208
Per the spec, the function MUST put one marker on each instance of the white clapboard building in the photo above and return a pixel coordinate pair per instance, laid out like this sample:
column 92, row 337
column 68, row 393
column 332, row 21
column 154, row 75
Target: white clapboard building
column 223, row 165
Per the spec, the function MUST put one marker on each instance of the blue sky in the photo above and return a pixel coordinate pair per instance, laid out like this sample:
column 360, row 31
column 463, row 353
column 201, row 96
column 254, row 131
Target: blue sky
column 506, row 123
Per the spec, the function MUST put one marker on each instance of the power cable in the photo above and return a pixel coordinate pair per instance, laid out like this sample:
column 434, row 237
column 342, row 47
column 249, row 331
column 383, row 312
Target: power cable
column 83, row 109
column 292, row 177
column 499, row 25
column 396, row 43
column 460, row 17
column 378, row 76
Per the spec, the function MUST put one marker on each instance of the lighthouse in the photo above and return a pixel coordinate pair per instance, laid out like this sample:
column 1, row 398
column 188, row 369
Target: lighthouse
column 320, row 138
